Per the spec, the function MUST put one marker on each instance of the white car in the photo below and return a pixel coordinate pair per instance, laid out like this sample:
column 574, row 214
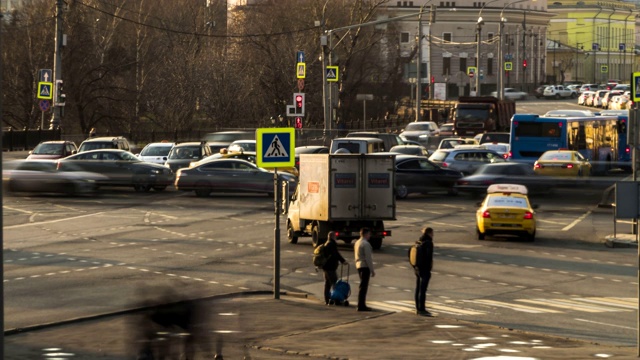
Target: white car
column 420, row 131
column 582, row 99
column 242, row 146
column 512, row 94
column 156, row 152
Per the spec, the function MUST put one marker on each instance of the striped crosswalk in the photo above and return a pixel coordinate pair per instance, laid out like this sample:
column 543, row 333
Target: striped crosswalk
column 479, row 307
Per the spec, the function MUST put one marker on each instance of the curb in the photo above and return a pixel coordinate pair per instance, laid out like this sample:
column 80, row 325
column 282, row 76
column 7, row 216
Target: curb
column 612, row 242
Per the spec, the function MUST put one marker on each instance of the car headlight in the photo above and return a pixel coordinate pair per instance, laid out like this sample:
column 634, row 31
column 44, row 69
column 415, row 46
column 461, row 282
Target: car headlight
column 156, row 171
column 423, row 136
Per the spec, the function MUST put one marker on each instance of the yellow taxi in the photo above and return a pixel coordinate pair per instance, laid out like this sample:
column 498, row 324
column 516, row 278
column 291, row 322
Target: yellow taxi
column 562, row 163
column 506, row 210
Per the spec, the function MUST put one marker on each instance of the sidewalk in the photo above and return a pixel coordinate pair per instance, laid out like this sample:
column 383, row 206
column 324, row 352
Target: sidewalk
column 256, row 326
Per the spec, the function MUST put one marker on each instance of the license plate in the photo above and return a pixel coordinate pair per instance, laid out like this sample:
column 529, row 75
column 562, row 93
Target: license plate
column 506, row 216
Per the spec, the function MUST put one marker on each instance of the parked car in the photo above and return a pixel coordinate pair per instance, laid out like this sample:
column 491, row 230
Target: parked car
column 582, row 99
column 559, row 91
column 105, row 142
column 503, row 173
column 539, row 91
column 588, row 87
column 597, row 98
column 417, row 150
column 182, row 154
column 623, row 87
column 229, row 175
column 420, row 131
column 562, row 163
column 156, row 153
column 43, row 176
column 607, row 98
column 121, row 168
column 512, row 94
column 416, row 174
column 52, row 150
column 465, row 160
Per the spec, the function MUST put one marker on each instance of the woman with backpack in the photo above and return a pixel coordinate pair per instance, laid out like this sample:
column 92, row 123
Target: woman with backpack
column 331, row 265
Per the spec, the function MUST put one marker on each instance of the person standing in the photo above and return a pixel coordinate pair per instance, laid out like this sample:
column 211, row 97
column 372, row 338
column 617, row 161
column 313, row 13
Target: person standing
column 329, row 268
column 364, row 263
column 423, row 270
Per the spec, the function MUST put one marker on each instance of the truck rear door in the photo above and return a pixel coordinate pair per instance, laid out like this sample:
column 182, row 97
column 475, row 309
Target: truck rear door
column 379, row 185
column 345, row 198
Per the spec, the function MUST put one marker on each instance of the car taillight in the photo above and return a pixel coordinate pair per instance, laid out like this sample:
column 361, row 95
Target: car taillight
column 537, row 166
column 569, row 166
column 58, row 166
column 627, row 150
column 528, row 215
column 506, row 156
column 486, row 214
column 444, row 164
column 462, row 182
column 509, row 155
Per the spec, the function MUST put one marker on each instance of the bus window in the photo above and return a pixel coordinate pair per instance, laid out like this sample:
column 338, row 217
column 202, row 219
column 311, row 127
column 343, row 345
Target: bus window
column 541, row 129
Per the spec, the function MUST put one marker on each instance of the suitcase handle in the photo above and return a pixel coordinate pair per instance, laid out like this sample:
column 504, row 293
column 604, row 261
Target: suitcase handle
column 342, row 265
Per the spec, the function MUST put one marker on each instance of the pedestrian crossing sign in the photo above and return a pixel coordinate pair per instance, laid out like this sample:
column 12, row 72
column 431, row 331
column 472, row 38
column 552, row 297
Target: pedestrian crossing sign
column 332, row 73
column 275, row 147
column 45, row 90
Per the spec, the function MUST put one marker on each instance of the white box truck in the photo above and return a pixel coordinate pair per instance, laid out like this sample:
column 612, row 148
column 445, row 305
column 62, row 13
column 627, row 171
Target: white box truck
column 343, row 193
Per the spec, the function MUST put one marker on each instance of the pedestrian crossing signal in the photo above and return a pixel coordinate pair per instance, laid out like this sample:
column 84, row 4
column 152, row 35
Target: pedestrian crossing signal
column 298, row 123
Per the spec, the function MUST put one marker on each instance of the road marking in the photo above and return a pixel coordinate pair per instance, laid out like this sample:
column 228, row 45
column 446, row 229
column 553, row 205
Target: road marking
column 576, row 221
column 51, row 221
column 516, row 307
column 601, row 323
column 18, row 210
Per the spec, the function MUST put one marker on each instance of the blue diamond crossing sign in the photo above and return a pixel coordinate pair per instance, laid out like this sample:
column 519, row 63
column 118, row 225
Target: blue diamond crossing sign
column 45, row 90
column 275, row 147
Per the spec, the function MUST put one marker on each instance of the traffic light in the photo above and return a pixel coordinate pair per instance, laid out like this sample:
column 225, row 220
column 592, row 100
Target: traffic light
column 59, row 94
column 298, row 122
column 524, row 63
column 298, row 103
column 622, row 126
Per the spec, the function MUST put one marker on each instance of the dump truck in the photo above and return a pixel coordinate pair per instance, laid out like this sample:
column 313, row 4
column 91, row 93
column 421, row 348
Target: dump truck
column 342, row 193
column 479, row 114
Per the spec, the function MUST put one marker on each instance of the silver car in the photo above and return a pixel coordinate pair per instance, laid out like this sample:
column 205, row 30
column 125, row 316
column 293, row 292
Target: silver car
column 465, row 160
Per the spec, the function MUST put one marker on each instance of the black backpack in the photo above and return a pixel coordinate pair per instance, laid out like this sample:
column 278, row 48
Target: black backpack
column 320, row 255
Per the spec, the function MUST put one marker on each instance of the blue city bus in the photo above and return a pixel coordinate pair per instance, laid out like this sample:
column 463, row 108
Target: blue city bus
column 600, row 139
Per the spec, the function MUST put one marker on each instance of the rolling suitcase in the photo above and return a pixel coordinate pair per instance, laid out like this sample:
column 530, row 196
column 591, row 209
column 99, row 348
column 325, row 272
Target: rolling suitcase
column 341, row 289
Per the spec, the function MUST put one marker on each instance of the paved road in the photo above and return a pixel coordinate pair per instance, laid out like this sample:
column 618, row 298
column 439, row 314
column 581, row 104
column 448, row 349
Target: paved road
column 72, row 257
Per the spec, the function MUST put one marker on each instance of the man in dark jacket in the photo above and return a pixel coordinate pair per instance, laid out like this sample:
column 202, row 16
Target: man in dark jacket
column 330, row 267
column 423, row 271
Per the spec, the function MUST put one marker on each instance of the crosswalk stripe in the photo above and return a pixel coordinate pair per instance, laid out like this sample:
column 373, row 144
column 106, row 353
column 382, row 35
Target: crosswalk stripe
column 567, row 304
column 407, row 305
column 626, row 303
column 516, row 307
column 383, row 305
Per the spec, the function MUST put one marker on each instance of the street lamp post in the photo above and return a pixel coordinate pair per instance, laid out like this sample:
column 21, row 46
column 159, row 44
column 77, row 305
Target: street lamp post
column 500, row 51
column 479, row 29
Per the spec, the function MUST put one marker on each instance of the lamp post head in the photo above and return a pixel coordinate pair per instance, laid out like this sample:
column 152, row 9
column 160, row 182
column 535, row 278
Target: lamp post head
column 480, row 21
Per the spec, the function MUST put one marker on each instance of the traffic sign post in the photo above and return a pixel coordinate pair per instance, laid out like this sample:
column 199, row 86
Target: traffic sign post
column 275, row 147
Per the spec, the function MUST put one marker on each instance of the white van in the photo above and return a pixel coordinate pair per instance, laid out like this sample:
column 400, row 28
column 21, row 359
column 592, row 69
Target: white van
column 357, row 145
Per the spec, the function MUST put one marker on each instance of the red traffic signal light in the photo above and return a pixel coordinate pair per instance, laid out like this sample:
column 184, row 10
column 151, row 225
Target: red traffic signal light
column 298, row 100
column 524, row 63
column 298, row 123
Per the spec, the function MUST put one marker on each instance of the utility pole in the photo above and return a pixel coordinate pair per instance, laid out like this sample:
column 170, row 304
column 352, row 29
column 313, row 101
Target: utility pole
column 418, row 66
column 57, row 67
column 432, row 20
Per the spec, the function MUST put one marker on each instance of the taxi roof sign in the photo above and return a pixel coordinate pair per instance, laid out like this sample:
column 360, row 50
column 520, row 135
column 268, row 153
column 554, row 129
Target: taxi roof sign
column 507, row 188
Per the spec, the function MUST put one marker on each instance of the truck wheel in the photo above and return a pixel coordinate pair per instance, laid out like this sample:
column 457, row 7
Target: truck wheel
column 557, row 96
column 376, row 243
column 401, row 192
column 316, row 237
column 291, row 234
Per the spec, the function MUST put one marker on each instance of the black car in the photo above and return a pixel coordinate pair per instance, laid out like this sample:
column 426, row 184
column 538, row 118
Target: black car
column 121, row 168
column 416, row 174
column 503, row 173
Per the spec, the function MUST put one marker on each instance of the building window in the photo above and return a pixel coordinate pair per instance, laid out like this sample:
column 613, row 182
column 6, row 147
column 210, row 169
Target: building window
column 490, row 36
column 490, row 66
column 463, row 65
column 446, row 66
column 446, row 37
column 404, row 37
